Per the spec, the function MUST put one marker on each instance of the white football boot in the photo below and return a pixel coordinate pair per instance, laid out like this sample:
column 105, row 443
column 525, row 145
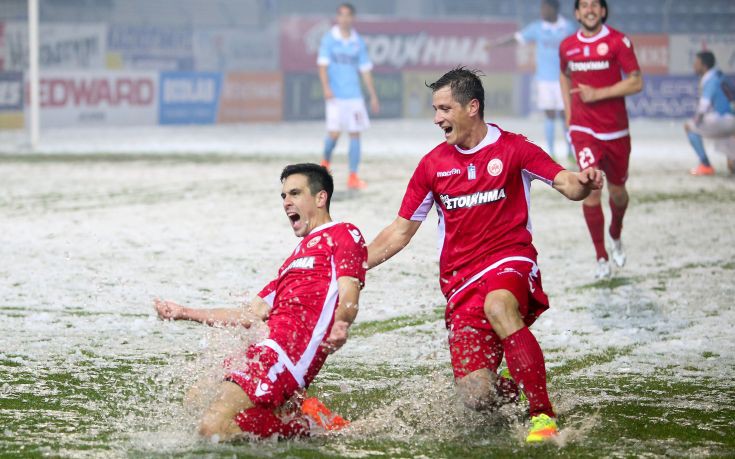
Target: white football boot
column 603, row 269
column 618, row 254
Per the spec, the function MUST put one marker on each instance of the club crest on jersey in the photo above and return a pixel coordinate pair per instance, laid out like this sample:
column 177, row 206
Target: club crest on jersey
column 472, row 200
column 471, row 172
column 495, row 167
column 313, row 242
column 300, row 263
column 602, row 49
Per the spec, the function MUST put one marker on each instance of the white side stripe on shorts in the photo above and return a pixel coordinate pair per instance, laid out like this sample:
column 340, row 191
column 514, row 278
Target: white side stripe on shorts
column 474, row 278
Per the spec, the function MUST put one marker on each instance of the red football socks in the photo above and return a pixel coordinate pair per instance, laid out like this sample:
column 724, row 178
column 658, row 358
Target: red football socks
column 616, row 225
column 263, row 423
column 526, row 364
column 596, row 224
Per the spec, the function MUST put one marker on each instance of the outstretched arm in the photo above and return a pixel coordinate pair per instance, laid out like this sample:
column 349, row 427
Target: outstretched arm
column 256, row 311
column 391, row 240
column 578, row 185
column 349, row 294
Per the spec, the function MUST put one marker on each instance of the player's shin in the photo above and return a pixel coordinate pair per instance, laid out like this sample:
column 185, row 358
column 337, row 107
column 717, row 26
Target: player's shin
column 329, row 144
column 526, row 364
column 354, row 154
column 595, row 220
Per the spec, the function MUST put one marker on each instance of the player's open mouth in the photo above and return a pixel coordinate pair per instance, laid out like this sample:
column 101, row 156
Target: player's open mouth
column 294, row 217
column 447, row 130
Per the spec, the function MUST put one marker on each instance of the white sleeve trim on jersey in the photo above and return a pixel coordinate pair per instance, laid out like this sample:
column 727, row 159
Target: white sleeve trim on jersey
column 534, row 272
column 600, row 135
column 420, row 214
column 366, row 67
column 269, row 298
column 536, row 176
column 322, row 60
column 704, row 105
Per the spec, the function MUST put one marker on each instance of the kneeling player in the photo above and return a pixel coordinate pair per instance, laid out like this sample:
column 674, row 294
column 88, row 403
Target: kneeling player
column 309, row 308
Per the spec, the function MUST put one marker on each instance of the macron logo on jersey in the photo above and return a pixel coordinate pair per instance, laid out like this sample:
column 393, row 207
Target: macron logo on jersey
column 472, row 200
column 303, row 263
column 449, row 173
column 588, row 66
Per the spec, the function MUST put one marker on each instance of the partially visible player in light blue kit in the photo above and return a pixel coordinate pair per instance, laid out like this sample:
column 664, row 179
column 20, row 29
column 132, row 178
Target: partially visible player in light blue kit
column 342, row 59
column 714, row 118
column 547, row 34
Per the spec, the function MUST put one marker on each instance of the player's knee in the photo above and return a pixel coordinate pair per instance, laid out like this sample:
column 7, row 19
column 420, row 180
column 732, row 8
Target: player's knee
column 498, row 310
column 476, row 390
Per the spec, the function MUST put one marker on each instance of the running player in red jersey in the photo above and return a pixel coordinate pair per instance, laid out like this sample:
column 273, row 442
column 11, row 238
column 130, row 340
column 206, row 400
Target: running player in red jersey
column 308, row 309
column 479, row 179
column 592, row 62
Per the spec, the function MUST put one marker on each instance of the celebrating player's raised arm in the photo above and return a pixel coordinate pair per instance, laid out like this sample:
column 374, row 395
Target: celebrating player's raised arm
column 256, row 311
column 391, row 240
column 578, row 185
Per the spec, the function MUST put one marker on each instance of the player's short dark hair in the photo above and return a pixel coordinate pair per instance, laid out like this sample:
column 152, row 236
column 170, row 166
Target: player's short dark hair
column 317, row 177
column 552, row 3
column 603, row 3
column 707, row 58
column 349, row 6
column 465, row 85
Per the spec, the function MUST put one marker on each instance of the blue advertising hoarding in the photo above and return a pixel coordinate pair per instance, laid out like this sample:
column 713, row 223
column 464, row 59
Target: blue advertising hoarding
column 189, row 97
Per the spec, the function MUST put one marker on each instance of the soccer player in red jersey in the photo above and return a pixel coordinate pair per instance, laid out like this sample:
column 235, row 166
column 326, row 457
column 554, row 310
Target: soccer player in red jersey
column 308, row 308
column 592, row 62
column 479, row 179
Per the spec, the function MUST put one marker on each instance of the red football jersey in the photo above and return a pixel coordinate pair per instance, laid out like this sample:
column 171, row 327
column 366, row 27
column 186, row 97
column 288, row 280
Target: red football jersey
column 304, row 296
column 598, row 61
column 482, row 197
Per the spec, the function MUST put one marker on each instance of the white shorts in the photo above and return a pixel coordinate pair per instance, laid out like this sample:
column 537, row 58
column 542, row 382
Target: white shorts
column 719, row 128
column 548, row 96
column 346, row 115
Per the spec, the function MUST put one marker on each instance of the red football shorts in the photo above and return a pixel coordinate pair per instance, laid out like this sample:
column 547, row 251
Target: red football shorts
column 265, row 380
column 472, row 342
column 610, row 156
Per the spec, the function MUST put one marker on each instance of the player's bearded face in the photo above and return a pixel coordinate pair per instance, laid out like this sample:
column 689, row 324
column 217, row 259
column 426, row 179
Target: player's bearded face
column 299, row 204
column 590, row 14
column 452, row 117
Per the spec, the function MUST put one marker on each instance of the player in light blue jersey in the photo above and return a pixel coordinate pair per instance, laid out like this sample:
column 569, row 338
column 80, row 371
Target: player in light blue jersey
column 714, row 118
column 547, row 33
column 343, row 58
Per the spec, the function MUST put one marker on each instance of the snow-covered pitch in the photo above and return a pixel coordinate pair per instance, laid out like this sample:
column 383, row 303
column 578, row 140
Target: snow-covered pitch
column 105, row 220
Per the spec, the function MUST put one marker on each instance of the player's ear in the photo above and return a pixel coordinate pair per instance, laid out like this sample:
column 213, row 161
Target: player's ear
column 473, row 107
column 321, row 199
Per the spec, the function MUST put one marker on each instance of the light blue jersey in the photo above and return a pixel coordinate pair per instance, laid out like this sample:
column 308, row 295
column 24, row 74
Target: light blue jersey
column 547, row 36
column 345, row 59
column 713, row 97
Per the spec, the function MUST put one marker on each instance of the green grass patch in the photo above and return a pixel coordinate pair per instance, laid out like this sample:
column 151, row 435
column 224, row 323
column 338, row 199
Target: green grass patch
column 369, row 328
